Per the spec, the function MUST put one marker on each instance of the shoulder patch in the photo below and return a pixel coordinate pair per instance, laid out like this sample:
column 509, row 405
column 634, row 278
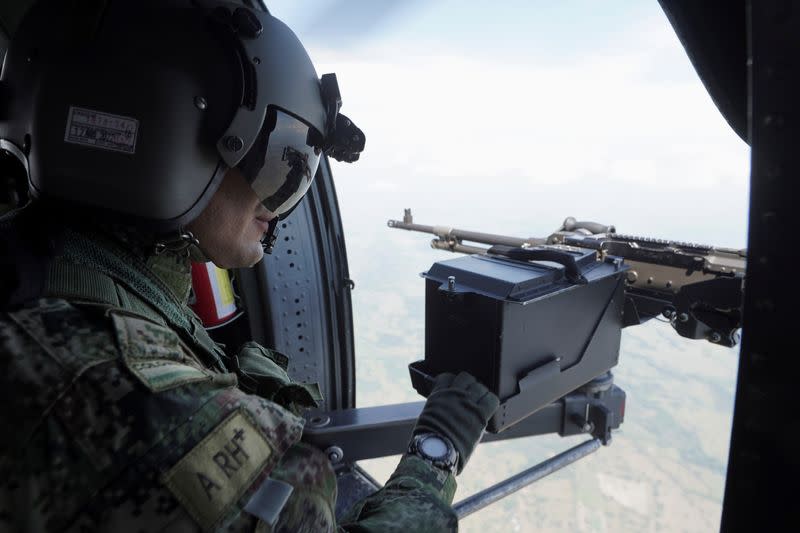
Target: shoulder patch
column 155, row 354
column 216, row 473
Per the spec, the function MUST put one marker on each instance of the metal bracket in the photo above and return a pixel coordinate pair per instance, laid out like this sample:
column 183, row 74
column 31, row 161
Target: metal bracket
column 509, row 486
column 602, row 410
column 370, row 432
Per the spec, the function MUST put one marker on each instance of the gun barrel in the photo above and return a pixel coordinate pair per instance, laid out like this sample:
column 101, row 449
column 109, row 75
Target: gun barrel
column 410, row 226
column 447, row 234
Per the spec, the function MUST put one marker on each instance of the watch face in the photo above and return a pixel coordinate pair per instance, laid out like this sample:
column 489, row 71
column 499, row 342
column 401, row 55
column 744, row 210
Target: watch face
column 434, row 447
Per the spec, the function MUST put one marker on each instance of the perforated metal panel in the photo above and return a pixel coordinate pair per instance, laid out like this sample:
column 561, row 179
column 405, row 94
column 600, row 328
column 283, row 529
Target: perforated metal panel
column 293, row 283
column 298, row 299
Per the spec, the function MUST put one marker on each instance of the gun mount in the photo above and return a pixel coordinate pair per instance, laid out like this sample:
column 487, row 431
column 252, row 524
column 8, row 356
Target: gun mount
column 613, row 280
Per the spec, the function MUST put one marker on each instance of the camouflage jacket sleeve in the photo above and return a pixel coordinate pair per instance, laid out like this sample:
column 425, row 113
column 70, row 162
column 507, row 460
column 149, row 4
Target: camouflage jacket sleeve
column 416, row 498
column 112, row 426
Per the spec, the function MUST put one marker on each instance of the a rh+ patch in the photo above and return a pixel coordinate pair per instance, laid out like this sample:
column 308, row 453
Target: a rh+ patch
column 155, row 354
column 215, row 474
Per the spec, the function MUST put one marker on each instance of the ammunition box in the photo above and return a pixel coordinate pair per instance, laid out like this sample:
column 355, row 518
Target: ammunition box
column 526, row 329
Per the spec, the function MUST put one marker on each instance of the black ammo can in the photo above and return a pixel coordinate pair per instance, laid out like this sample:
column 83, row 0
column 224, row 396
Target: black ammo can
column 530, row 324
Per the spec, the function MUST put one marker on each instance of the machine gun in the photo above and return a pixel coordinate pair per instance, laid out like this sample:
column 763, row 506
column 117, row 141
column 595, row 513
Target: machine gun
column 698, row 288
column 539, row 321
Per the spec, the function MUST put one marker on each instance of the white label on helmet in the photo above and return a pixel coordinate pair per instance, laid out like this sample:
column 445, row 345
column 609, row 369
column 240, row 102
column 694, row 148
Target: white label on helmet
column 101, row 130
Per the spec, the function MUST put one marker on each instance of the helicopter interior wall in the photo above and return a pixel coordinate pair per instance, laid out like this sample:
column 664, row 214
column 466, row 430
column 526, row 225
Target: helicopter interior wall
column 5, row 188
column 10, row 16
column 765, row 437
column 714, row 35
column 3, row 42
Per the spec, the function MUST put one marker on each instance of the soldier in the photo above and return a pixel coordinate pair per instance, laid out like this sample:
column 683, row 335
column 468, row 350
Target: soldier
column 152, row 131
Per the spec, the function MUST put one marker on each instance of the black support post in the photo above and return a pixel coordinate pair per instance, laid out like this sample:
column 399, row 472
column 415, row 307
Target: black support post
column 764, row 465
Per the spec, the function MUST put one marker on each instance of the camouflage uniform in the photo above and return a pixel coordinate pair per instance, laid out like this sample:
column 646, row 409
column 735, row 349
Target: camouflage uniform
column 120, row 414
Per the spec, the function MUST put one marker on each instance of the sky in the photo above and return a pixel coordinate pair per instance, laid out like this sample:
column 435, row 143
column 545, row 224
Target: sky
column 512, row 117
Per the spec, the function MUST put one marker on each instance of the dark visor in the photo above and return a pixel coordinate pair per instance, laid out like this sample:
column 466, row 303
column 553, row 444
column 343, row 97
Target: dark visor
column 281, row 163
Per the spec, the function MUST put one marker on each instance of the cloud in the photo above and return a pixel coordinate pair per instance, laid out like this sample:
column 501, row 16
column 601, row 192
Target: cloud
column 445, row 116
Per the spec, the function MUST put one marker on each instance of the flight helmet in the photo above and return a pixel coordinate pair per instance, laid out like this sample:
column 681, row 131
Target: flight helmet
column 139, row 107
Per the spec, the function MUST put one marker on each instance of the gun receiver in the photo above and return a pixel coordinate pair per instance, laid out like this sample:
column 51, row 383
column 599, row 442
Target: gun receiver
column 698, row 288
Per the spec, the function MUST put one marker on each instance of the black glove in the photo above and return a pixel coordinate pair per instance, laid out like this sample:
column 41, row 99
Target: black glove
column 457, row 408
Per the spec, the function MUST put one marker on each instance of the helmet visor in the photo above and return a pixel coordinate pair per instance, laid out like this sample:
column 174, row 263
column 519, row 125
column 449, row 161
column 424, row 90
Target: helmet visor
column 281, row 163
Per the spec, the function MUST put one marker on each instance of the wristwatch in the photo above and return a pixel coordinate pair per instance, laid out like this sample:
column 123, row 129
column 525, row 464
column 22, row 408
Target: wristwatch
column 435, row 449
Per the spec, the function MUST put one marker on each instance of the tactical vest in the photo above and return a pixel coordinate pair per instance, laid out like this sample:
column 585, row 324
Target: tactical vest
column 90, row 273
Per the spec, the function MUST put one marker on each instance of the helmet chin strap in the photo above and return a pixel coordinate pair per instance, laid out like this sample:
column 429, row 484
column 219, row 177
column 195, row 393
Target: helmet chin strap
column 269, row 238
column 183, row 240
column 197, row 255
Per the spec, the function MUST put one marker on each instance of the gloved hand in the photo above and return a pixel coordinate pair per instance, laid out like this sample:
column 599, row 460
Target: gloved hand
column 458, row 408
